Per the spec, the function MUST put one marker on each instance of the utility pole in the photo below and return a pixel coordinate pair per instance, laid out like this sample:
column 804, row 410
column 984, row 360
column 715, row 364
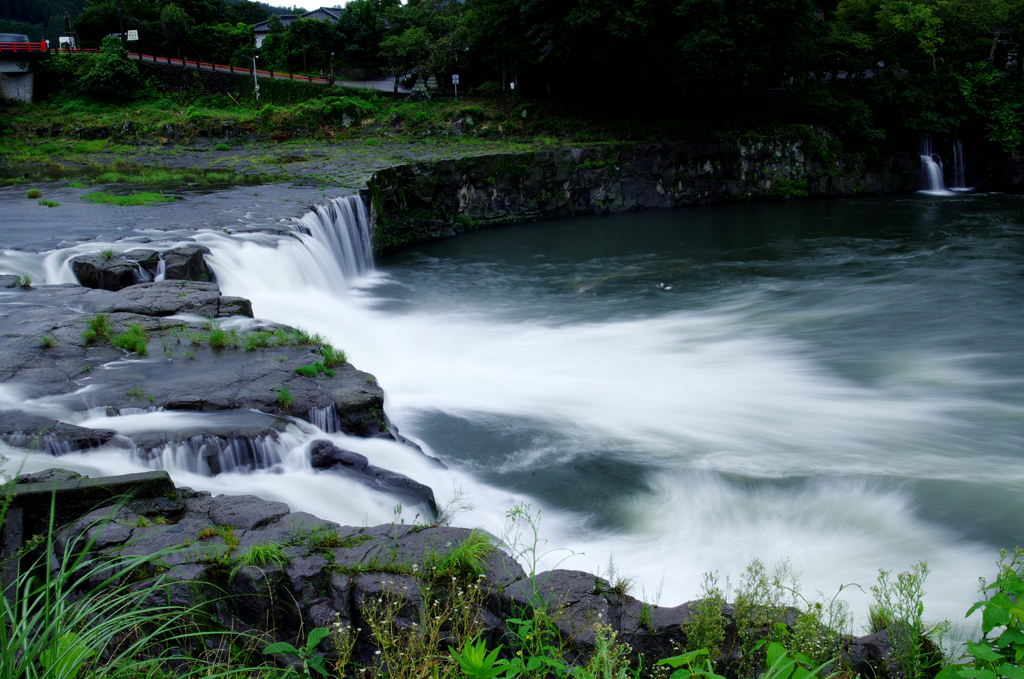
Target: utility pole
column 255, row 83
column 120, row 18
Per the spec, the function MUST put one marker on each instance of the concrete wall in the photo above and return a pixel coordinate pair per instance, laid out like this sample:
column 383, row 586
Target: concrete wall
column 16, row 80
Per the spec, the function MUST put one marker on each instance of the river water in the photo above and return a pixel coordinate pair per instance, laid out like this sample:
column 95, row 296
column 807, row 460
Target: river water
column 833, row 382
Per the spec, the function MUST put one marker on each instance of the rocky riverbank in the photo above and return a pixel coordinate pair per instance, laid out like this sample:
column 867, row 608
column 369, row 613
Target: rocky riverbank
column 326, row 575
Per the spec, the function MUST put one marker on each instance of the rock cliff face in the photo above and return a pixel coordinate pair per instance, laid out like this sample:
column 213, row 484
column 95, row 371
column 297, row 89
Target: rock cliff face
column 430, row 201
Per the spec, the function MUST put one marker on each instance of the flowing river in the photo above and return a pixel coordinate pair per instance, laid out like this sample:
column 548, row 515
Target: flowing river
column 833, row 382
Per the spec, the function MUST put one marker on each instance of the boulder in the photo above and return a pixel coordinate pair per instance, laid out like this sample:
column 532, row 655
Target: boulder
column 42, row 433
column 148, row 260
column 871, row 656
column 186, row 263
column 326, row 456
column 103, row 274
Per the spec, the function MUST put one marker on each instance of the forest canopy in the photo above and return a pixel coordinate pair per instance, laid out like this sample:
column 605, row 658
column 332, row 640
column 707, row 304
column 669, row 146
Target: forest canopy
column 868, row 69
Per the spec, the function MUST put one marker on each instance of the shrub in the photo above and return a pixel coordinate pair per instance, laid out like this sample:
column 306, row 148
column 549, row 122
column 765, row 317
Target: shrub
column 132, row 340
column 114, row 74
column 222, row 147
column 34, row 193
column 488, row 90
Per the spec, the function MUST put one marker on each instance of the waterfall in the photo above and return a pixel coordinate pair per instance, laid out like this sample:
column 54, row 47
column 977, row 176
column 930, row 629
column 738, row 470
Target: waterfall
column 931, row 169
column 959, row 181
column 343, row 227
column 209, row 455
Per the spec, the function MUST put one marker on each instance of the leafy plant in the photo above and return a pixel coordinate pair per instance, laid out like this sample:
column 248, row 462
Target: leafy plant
column 1000, row 654
column 307, row 654
column 899, row 607
column 706, row 628
column 135, row 392
column 476, row 663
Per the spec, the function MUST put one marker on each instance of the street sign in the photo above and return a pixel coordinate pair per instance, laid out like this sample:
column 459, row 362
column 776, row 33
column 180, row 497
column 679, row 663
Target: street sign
column 133, row 35
column 455, row 79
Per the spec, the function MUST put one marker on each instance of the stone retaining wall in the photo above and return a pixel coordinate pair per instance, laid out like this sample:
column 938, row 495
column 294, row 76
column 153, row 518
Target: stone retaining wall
column 430, row 201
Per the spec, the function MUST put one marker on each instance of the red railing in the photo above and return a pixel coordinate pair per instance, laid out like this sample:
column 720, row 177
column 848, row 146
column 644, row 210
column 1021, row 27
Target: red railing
column 206, row 66
column 37, row 47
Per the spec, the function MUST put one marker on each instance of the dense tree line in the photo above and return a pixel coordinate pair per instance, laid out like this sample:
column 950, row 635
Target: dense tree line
column 868, row 69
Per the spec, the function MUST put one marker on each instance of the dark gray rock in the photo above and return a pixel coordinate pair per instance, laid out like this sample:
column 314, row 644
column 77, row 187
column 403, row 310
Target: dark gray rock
column 41, row 433
column 103, row 274
column 10, row 281
column 148, row 260
column 325, row 455
column 234, row 306
column 245, row 511
column 52, row 475
column 186, row 263
column 872, row 656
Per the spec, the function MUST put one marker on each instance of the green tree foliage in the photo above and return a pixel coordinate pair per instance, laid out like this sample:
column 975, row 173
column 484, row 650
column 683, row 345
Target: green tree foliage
column 403, row 51
column 114, row 74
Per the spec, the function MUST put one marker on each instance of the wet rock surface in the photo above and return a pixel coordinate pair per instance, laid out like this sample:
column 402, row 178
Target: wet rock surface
column 326, row 456
column 181, row 370
column 329, row 574
column 116, row 272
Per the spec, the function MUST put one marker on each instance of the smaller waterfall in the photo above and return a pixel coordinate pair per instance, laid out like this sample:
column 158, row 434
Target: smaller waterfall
column 344, row 227
column 210, row 455
column 931, row 169
column 959, row 180
column 161, row 269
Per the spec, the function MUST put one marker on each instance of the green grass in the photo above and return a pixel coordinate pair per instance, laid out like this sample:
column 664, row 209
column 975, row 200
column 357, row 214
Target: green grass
column 34, row 193
column 132, row 340
column 96, row 328
column 284, row 397
column 314, row 370
column 259, row 339
column 48, row 341
column 128, row 200
column 48, row 203
column 222, row 147
column 221, row 338
column 107, row 254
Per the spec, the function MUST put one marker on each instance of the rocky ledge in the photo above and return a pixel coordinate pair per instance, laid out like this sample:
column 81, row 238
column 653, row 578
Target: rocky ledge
column 323, row 574
column 69, row 355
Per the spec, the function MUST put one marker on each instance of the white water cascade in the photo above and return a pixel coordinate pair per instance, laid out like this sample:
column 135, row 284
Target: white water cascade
column 931, row 169
column 750, row 446
column 344, row 228
column 959, row 179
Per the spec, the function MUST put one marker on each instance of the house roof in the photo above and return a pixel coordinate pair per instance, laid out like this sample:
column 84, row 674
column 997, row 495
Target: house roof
column 323, row 14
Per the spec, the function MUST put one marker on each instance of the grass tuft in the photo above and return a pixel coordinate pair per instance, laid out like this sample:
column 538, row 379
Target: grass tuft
column 96, row 328
column 34, row 193
column 132, row 340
